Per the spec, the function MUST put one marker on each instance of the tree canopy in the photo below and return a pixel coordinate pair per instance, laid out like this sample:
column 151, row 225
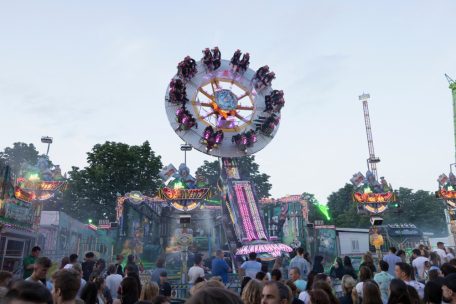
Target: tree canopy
column 419, row 207
column 18, row 156
column 248, row 169
column 113, row 168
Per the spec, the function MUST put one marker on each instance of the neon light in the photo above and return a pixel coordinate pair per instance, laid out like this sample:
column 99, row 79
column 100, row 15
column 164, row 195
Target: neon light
column 254, row 211
column 273, row 249
column 374, row 197
column 324, row 210
column 246, row 219
column 448, row 195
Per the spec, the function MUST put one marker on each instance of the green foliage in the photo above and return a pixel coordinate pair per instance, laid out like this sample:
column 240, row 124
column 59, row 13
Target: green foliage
column 248, row 169
column 421, row 208
column 19, row 156
column 113, row 168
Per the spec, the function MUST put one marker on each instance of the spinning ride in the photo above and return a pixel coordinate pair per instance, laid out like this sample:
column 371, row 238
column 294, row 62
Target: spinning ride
column 371, row 195
column 225, row 109
column 230, row 111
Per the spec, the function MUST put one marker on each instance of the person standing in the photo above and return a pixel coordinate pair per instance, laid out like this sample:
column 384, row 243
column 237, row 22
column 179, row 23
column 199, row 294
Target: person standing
column 220, row 267
column 66, row 286
column 131, row 262
column 308, row 263
column 251, row 267
column 449, row 289
column 40, row 270
column 348, row 268
column 119, row 268
column 88, row 265
column 296, row 277
column 29, row 261
column 318, row 264
column 275, row 293
column 299, row 262
column 404, row 272
column 440, row 250
column 164, row 286
column 418, row 264
column 383, row 279
column 337, row 269
column 392, row 259
column 155, row 275
column 113, row 280
column 73, row 260
column 196, row 271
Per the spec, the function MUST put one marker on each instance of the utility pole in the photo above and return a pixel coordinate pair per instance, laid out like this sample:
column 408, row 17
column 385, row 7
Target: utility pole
column 372, row 160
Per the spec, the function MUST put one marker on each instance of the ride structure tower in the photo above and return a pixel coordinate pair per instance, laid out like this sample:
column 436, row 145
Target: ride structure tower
column 372, row 160
column 453, row 91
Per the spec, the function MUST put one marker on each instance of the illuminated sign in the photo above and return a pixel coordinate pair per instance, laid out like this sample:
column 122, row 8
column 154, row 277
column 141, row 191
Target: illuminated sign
column 184, row 194
column 446, row 194
column 374, row 198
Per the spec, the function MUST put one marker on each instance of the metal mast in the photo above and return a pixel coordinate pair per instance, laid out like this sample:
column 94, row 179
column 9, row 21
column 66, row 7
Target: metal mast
column 453, row 91
column 372, row 160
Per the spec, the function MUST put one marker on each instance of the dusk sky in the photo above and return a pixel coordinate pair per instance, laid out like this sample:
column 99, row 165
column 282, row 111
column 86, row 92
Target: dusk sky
column 86, row 72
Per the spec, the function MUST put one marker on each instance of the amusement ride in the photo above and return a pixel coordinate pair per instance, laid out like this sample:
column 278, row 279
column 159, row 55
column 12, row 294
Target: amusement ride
column 371, row 195
column 447, row 184
column 225, row 109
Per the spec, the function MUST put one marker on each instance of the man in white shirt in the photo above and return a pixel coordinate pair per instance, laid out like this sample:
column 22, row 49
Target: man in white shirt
column 251, row 267
column 113, row 280
column 404, row 272
column 418, row 264
column 40, row 270
column 441, row 252
column 73, row 260
column 196, row 271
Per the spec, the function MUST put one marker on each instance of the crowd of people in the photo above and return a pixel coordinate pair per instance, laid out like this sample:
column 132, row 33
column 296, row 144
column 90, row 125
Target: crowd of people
column 427, row 277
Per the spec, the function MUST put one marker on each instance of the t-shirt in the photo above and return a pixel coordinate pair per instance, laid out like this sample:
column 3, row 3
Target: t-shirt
column 165, row 289
column 112, row 283
column 305, row 297
column 48, row 284
column 68, row 266
column 30, row 260
column 419, row 287
column 300, row 263
column 359, row 289
column 220, row 268
column 442, row 254
column 155, row 275
column 391, row 259
column 194, row 273
column 87, row 269
column 251, row 268
column 383, row 280
column 418, row 263
column 300, row 284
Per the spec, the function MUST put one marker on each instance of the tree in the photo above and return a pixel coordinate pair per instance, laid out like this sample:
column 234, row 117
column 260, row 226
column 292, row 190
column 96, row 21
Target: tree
column 19, row 156
column 113, row 168
column 343, row 209
column 421, row 208
column 248, row 170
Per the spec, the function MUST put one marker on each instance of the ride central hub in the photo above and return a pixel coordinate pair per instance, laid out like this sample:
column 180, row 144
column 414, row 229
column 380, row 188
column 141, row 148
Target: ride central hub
column 226, row 100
